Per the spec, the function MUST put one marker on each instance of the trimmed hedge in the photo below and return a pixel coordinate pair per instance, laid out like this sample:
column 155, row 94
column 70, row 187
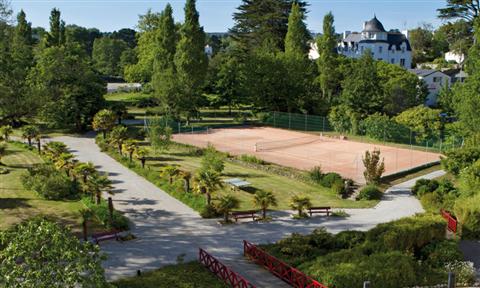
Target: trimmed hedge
column 370, row 192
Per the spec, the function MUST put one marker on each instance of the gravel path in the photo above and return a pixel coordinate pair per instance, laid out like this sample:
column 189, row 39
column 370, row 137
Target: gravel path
column 168, row 229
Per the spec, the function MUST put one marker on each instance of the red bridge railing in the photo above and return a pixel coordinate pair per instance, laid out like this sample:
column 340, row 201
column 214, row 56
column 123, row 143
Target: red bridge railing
column 221, row 271
column 280, row 269
column 451, row 221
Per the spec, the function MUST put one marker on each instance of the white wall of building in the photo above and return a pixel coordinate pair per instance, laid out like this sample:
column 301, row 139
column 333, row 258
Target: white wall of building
column 435, row 82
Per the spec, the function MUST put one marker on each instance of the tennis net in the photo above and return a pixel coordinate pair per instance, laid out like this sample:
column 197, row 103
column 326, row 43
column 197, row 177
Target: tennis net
column 281, row 144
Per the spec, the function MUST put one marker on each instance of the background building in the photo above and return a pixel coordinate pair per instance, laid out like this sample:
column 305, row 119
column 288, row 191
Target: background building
column 392, row 47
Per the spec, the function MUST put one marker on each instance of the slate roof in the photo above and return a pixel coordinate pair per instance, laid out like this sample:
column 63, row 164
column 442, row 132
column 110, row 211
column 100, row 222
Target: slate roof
column 422, row 72
column 374, row 26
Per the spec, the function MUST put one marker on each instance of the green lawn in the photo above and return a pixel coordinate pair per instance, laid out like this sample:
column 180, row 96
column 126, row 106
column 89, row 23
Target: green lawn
column 283, row 187
column 17, row 204
column 186, row 275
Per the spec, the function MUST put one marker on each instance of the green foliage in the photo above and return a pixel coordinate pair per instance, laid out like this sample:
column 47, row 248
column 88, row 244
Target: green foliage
column 209, row 211
column 343, row 119
column 225, row 204
column 470, row 179
column 330, row 179
column 423, row 121
column 439, row 254
column 252, row 159
column 5, row 132
column 467, row 211
column 30, row 132
column 374, row 168
column 213, row 160
column 296, row 40
column 381, row 127
column 174, row 276
column 207, row 182
column 50, row 183
column 40, row 251
column 264, row 199
column 159, row 133
column 315, row 174
column 361, row 89
column 457, row 160
column 401, row 88
column 190, row 61
column 370, row 192
column 300, row 203
column 106, row 55
column 101, row 211
column 70, row 92
column 104, row 121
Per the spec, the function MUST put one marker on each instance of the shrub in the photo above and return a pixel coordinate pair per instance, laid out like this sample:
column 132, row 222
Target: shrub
column 381, row 127
column 457, row 160
column 316, row 174
column 349, row 239
column 423, row 186
column 374, row 167
column 440, row 253
column 50, row 183
column 370, row 192
column 470, row 180
column 252, row 159
column 330, row 178
column 147, row 102
column 338, row 188
column 101, row 211
column 467, row 210
column 407, row 234
column 209, row 211
column 4, row 171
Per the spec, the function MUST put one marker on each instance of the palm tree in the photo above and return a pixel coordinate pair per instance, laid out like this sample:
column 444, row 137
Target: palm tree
column 39, row 144
column 141, row 154
column 87, row 214
column 30, row 132
column 264, row 199
column 186, row 176
column 97, row 185
column 53, row 150
column 225, row 204
column 85, row 170
column 6, row 131
column 67, row 162
column 117, row 136
column 300, row 203
column 130, row 146
column 208, row 182
column 170, row 172
column 103, row 121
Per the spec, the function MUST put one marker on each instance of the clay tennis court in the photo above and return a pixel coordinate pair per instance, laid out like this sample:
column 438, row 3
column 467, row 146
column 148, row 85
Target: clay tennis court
column 305, row 151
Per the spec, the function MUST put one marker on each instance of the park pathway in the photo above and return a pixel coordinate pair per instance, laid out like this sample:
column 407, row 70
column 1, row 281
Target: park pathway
column 168, row 230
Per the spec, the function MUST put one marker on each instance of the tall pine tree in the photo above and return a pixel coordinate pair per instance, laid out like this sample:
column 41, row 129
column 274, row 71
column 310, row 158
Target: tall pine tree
column 191, row 62
column 56, row 36
column 163, row 79
column 296, row 40
column 258, row 22
column 329, row 77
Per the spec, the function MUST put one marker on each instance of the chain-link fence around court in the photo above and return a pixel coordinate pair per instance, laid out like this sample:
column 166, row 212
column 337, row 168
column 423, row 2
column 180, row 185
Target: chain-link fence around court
column 313, row 123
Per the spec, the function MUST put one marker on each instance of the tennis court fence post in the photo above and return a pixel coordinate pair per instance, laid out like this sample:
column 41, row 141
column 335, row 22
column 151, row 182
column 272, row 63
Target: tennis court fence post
column 306, row 121
column 289, row 120
column 323, row 129
column 274, row 119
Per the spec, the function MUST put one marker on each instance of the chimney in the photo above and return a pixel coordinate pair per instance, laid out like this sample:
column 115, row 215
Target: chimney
column 346, row 33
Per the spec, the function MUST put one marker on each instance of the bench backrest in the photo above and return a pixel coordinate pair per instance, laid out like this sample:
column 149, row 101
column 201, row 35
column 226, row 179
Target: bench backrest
column 243, row 212
column 318, row 208
column 113, row 232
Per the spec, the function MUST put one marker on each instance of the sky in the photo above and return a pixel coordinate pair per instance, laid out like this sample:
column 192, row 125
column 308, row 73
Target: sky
column 216, row 15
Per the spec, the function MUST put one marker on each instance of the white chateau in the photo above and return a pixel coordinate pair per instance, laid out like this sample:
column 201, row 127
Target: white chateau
column 392, row 47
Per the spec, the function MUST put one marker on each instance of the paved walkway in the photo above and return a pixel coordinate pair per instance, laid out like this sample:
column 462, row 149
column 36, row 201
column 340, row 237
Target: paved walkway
column 166, row 228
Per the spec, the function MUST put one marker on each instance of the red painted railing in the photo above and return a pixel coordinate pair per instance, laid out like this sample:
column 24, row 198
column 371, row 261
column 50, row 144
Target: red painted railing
column 451, row 221
column 280, row 269
column 221, row 271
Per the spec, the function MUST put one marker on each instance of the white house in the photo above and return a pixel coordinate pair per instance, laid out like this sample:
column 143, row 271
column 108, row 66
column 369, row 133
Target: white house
column 392, row 47
column 434, row 80
column 453, row 56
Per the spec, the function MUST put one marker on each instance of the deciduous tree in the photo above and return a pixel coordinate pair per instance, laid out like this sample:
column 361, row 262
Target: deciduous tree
column 374, row 167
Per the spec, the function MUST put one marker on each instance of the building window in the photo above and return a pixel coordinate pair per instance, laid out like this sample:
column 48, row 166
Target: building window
column 392, row 61
column 403, row 49
column 380, row 59
column 437, row 79
column 380, row 49
column 402, row 62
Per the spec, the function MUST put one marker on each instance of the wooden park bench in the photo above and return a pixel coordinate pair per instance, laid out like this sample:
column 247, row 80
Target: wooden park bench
column 313, row 210
column 105, row 236
column 244, row 214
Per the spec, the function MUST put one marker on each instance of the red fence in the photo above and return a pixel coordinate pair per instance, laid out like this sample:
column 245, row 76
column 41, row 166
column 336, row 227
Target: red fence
column 280, row 269
column 222, row 271
column 451, row 221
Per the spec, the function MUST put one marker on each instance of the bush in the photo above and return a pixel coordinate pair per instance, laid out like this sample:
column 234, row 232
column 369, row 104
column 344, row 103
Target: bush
column 370, row 192
column 147, row 102
column 459, row 159
column 349, row 239
column 209, row 211
column 316, row 174
column 330, row 178
column 467, row 211
column 440, row 253
column 423, row 186
column 4, row 171
column 407, row 234
column 381, row 127
column 252, row 159
column 50, row 183
column 101, row 211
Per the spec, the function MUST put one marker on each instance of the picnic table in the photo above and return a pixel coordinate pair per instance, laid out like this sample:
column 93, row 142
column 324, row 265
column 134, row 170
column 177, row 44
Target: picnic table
column 237, row 183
